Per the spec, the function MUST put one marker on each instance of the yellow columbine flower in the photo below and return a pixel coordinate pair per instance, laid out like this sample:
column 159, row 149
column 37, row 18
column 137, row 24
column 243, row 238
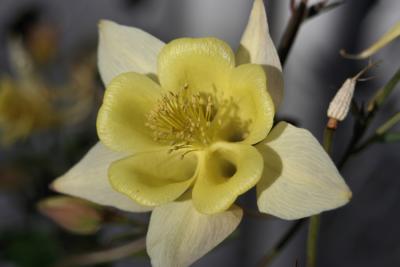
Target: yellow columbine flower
column 195, row 129
column 185, row 128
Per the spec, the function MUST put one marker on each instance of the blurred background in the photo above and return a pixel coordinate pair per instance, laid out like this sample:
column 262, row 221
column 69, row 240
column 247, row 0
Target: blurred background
column 50, row 92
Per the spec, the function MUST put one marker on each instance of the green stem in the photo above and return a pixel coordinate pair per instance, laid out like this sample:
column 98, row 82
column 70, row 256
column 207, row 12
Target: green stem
column 389, row 124
column 379, row 133
column 312, row 238
column 314, row 224
column 381, row 96
column 360, row 128
column 359, row 132
column 328, row 139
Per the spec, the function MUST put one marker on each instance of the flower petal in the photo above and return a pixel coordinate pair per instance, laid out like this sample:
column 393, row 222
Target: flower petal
column 256, row 46
column 179, row 235
column 201, row 64
column 88, row 179
column 122, row 117
column 299, row 177
column 226, row 170
column 125, row 49
column 153, row 178
column 251, row 102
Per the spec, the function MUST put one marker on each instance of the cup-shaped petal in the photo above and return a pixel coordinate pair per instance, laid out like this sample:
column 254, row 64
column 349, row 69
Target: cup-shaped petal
column 121, row 122
column 201, row 64
column 299, row 178
column 226, row 170
column 153, row 178
column 88, row 179
column 249, row 106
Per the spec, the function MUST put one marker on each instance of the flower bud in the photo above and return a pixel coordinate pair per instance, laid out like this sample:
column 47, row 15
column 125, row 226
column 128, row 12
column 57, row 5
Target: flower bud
column 340, row 104
column 73, row 214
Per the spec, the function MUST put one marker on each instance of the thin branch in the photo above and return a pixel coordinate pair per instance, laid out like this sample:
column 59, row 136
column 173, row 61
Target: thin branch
column 322, row 7
column 300, row 13
column 314, row 224
column 282, row 243
column 105, row 255
column 312, row 240
column 287, row 41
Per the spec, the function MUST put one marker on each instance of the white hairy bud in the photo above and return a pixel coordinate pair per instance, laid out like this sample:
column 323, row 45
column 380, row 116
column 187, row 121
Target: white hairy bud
column 340, row 104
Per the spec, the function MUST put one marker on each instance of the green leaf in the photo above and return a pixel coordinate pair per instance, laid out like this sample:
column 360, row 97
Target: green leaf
column 389, row 124
column 388, row 37
column 383, row 93
column 391, row 138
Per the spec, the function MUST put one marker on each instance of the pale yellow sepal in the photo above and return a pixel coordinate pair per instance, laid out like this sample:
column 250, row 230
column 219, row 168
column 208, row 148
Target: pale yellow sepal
column 88, row 179
column 125, row 49
column 388, row 37
column 299, row 177
column 256, row 47
column 153, row 178
column 179, row 235
column 226, row 170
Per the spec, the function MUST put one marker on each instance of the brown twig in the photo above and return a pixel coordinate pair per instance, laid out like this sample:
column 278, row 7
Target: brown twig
column 322, row 7
column 298, row 15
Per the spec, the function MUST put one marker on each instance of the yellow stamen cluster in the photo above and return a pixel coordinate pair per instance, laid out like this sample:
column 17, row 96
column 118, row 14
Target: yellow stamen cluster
column 183, row 120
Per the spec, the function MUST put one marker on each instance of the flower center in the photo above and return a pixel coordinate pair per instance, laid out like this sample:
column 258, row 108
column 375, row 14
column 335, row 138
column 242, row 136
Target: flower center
column 183, row 120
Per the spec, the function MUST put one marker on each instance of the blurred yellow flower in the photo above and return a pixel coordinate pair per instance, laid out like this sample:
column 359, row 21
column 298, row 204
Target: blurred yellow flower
column 29, row 104
column 186, row 127
column 22, row 111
